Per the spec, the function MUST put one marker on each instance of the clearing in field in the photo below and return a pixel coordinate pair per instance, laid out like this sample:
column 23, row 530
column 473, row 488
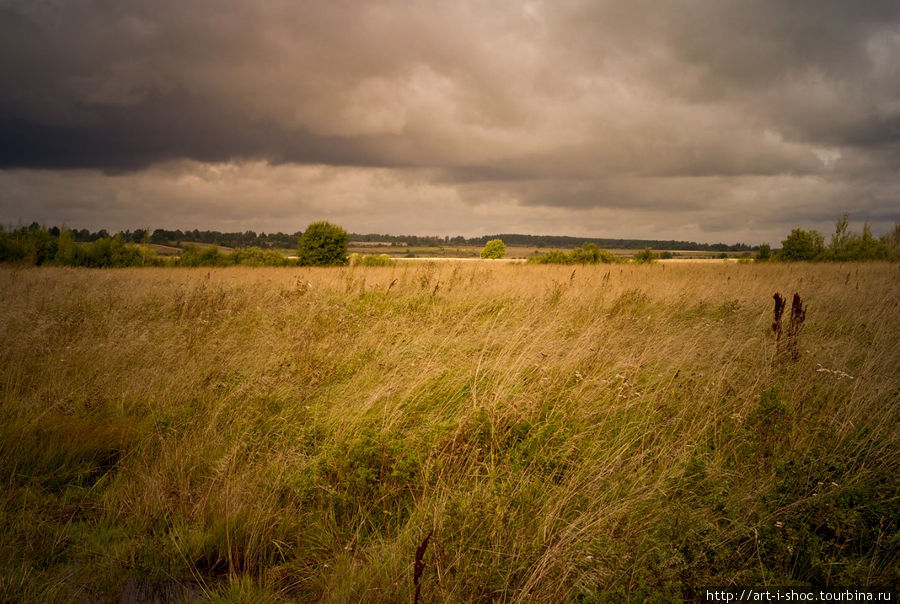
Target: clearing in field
column 592, row 433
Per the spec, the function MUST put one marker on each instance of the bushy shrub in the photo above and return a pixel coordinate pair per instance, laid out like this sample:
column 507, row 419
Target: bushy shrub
column 254, row 256
column 323, row 244
column 645, row 256
column 242, row 256
column 371, row 260
column 494, row 249
column 589, row 253
column 32, row 244
column 551, row 257
column 209, row 256
column 112, row 252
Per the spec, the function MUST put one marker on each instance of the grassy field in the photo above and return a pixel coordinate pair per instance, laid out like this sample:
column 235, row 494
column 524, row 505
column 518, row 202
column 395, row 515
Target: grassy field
column 175, row 248
column 512, row 251
column 598, row 433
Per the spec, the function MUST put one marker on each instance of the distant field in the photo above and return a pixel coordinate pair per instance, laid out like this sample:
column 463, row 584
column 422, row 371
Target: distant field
column 165, row 250
column 402, row 251
column 593, row 433
column 175, row 250
column 511, row 251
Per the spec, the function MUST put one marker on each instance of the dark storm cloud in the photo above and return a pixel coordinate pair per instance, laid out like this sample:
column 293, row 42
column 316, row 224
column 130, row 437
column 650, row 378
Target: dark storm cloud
column 679, row 106
column 139, row 136
column 125, row 84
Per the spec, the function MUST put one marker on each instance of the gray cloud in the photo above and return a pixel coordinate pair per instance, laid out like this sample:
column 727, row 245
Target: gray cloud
column 680, row 108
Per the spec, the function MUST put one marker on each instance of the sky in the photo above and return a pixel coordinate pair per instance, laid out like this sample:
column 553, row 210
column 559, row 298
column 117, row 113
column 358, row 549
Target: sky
column 713, row 120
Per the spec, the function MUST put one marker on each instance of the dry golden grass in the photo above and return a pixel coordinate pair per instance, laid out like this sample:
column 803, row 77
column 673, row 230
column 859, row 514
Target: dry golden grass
column 594, row 433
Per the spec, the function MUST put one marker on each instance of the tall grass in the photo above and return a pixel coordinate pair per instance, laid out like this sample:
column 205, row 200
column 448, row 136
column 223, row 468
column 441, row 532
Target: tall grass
column 613, row 432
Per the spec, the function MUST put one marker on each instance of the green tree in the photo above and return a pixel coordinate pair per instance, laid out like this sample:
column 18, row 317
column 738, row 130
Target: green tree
column 838, row 250
column 495, row 249
column 866, row 246
column 323, row 244
column 764, row 253
column 802, row 245
column 65, row 251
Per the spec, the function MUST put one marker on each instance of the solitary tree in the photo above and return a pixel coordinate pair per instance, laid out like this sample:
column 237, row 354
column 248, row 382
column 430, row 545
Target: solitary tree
column 323, row 244
column 495, row 248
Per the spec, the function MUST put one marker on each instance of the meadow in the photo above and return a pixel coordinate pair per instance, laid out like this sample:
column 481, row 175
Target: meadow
column 512, row 251
column 597, row 433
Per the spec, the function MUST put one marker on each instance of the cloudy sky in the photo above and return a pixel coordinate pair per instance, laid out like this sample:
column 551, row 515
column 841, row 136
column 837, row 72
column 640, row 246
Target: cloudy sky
column 713, row 120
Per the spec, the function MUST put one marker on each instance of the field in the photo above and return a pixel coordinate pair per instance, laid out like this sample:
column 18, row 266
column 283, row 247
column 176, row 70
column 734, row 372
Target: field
column 176, row 248
column 593, row 434
column 512, row 251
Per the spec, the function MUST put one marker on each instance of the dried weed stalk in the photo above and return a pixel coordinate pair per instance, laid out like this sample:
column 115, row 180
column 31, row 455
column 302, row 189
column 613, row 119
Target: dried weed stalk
column 795, row 323
column 798, row 315
column 419, row 567
column 779, row 312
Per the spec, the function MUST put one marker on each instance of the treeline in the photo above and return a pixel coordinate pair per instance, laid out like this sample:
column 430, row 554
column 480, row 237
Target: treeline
column 799, row 246
column 237, row 239
column 178, row 237
column 553, row 241
column 289, row 240
column 38, row 245
column 561, row 241
column 843, row 246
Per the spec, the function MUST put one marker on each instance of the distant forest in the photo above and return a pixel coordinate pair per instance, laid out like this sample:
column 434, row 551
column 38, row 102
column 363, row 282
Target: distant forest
column 283, row 240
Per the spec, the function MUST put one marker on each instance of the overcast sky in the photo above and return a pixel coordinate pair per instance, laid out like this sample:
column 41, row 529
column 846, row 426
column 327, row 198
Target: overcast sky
column 714, row 120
